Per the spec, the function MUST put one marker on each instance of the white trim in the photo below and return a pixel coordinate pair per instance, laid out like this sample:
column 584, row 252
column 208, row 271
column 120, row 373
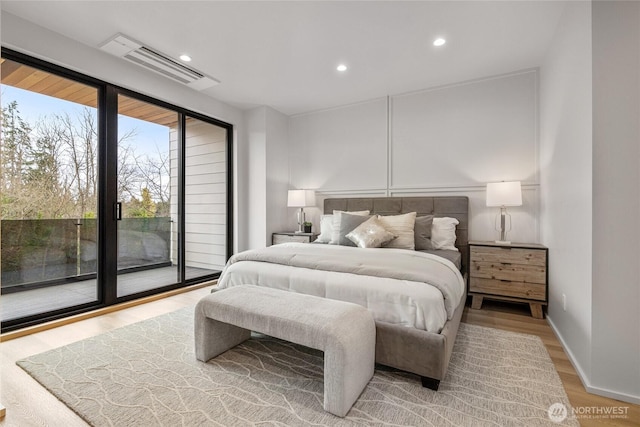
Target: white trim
column 338, row 107
column 584, row 378
column 454, row 188
column 469, row 82
column 389, row 148
column 381, row 192
column 418, row 189
column 536, row 120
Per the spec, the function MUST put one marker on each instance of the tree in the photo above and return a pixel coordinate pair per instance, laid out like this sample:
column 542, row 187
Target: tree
column 15, row 141
column 44, row 184
column 80, row 142
column 155, row 175
column 145, row 208
column 50, row 169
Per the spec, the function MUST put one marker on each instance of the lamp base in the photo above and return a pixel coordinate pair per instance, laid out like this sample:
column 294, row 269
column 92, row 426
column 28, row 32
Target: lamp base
column 503, row 215
column 301, row 220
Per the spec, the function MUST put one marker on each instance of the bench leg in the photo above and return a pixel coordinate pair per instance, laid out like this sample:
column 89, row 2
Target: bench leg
column 213, row 337
column 430, row 383
column 348, row 366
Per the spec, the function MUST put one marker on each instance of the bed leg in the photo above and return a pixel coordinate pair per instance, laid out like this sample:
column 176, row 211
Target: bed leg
column 430, row 383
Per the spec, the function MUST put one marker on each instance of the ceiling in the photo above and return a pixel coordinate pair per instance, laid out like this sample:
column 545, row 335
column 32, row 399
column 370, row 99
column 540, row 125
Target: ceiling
column 284, row 54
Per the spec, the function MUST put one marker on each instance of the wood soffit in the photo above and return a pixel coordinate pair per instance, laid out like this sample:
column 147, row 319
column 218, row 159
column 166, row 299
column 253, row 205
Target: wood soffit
column 28, row 78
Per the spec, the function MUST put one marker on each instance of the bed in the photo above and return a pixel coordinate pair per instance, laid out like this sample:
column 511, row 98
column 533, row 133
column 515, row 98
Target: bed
column 422, row 349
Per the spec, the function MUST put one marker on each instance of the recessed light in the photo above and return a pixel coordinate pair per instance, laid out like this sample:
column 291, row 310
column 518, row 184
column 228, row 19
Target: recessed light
column 439, row 42
column 341, row 67
column 185, row 58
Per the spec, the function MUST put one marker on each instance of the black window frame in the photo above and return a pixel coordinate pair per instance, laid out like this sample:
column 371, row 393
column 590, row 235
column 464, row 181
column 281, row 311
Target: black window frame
column 107, row 107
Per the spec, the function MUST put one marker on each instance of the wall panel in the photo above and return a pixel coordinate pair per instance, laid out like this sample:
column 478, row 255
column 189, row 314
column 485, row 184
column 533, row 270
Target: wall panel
column 340, row 149
column 445, row 141
column 465, row 134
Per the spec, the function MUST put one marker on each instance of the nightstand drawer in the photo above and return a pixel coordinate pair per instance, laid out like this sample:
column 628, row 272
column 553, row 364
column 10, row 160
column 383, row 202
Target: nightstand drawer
column 283, row 237
column 508, row 255
column 535, row 291
column 505, row 271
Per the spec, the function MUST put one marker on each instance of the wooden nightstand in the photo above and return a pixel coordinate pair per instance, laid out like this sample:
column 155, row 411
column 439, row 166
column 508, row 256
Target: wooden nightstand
column 517, row 272
column 292, row 237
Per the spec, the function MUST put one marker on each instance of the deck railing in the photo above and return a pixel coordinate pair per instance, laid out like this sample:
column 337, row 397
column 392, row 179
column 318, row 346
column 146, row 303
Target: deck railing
column 35, row 252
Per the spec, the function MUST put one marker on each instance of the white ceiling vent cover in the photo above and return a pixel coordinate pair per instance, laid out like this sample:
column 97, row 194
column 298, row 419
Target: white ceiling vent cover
column 127, row 48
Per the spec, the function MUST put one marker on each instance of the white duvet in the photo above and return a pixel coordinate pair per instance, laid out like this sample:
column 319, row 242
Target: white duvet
column 402, row 287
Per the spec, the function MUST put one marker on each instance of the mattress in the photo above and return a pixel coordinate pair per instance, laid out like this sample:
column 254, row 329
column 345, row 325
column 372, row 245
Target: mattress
column 400, row 301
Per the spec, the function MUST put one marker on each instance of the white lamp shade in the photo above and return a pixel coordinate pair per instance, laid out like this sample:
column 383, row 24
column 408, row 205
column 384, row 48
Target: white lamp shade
column 301, row 198
column 504, row 194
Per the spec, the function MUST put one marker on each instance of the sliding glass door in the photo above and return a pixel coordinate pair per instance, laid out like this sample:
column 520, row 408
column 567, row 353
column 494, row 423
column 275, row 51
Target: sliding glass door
column 106, row 195
column 146, row 236
column 48, row 183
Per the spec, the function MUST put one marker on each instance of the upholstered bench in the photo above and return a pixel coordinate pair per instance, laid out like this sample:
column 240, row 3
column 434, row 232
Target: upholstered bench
column 345, row 332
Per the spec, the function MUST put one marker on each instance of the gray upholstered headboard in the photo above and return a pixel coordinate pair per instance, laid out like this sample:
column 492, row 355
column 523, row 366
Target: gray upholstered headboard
column 454, row 207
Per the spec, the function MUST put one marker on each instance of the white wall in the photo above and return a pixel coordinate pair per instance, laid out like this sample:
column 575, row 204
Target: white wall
column 449, row 140
column 267, row 174
column 340, row 149
column 256, row 172
column 590, row 201
column 466, row 134
column 565, row 180
column 616, row 199
column 277, row 177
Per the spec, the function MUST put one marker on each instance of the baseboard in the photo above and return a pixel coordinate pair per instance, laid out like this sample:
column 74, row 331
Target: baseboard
column 584, row 378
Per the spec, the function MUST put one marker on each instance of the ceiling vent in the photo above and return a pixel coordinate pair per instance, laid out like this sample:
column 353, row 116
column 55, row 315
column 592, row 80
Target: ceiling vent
column 144, row 56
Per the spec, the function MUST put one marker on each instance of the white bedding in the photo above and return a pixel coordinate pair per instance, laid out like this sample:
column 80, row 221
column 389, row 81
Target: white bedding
column 363, row 278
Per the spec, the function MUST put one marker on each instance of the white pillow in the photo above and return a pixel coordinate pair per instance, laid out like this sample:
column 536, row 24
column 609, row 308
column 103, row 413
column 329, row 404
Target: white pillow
column 335, row 232
column 402, row 226
column 443, row 233
column 326, row 229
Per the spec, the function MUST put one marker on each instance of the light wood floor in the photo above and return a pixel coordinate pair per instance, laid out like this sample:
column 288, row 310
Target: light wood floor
column 29, row 404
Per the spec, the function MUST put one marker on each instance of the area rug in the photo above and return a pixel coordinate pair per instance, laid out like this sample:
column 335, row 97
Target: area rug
column 146, row 374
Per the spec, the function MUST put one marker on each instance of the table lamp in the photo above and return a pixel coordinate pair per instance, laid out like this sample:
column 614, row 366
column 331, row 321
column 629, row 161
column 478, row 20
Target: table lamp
column 301, row 199
column 503, row 194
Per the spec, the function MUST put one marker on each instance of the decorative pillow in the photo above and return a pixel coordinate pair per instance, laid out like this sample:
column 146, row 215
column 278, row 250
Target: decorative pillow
column 335, row 233
column 348, row 223
column 443, row 233
column 422, row 233
column 326, row 229
column 370, row 234
column 402, row 226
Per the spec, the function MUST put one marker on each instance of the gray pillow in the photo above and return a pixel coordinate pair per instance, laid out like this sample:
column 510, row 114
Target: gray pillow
column 422, row 232
column 348, row 223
